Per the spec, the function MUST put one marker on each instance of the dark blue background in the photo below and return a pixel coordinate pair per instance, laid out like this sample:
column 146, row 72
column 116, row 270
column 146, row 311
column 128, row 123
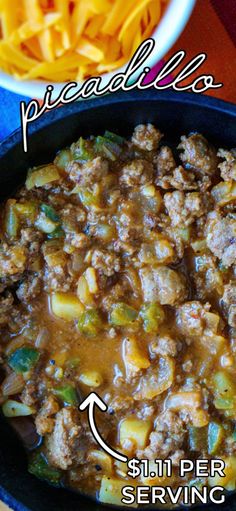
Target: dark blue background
column 9, row 112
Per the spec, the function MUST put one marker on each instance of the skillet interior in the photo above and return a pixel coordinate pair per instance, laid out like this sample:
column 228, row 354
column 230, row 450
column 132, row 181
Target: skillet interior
column 174, row 114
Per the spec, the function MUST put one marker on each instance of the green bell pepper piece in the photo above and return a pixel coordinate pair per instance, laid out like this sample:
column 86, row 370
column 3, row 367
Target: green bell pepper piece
column 152, row 315
column 39, row 467
column 84, row 152
column 108, row 148
column 67, row 394
column 122, row 314
column 114, row 137
column 89, row 198
column 23, row 359
column 57, row 233
column 90, row 322
column 215, row 437
column 50, row 212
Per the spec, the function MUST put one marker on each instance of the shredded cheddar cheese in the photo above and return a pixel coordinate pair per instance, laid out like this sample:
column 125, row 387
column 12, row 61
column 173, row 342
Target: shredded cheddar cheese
column 62, row 40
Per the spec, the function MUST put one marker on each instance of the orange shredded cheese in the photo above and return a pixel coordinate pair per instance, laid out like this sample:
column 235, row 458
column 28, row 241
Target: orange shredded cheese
column 62, row 40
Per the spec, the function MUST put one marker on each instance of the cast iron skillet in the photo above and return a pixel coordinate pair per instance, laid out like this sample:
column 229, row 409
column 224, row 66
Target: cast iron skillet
column 175, row 114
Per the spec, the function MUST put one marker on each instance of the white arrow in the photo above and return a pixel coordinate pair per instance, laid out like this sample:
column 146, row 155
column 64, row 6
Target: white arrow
column 89, row 402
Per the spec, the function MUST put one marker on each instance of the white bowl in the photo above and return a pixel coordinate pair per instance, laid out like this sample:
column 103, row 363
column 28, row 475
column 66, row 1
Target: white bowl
column 167, row 32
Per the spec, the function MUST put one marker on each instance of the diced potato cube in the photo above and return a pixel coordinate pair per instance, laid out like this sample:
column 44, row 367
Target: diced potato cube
column 134, row 358
column 63, row 158
column 27, row 209
column 157, row 480
column 212, row 321
column 164, row 251
column 224, row 192
column 199, row 417
column 105, row 231
column 91, row 378
column 229, row 480
column 152, row 199
column 184, row 233
column 44, row 224
column 90, row 275
column 121, row 467
column 136, row 430
column 42, row 176
column 60, row 357
column 66, row 306
column 83, row 291
column 96, row 457
column 149, row 190
column 56, row 259
column 111, row 491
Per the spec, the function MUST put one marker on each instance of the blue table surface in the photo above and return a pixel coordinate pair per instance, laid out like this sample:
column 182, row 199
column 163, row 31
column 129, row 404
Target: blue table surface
column 9, row 112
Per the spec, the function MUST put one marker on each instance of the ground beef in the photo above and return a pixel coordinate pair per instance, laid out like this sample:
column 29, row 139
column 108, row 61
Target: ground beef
column 44, row 421
column 146, row 137
column 73, row 221
column 57, row 279
column 181, row 180
column 168, row 437
column 105, row 262
column 88, row 173
column 171, row 176
column 146, row 411
column 198, row 154
column 128, row 229
column 6, row 305
column 164, row 162
column 63, row 442
column 190, row 318
column 163, row 284
column 77, row 240
column 183, row 209
column 164, row 345
column 229, row 301
column 29, row 288
column 13, row 259
column 56, row 275
column 136, row 173
column 72, row 217
column 31, row 239
column 207, row 277
column 221, row 237
column 30, row 394
column 29, row 235
column 228, row 165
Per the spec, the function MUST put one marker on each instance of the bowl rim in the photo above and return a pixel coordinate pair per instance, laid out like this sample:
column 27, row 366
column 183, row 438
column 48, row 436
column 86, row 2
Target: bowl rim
column 176, row 15
column 48, row 118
